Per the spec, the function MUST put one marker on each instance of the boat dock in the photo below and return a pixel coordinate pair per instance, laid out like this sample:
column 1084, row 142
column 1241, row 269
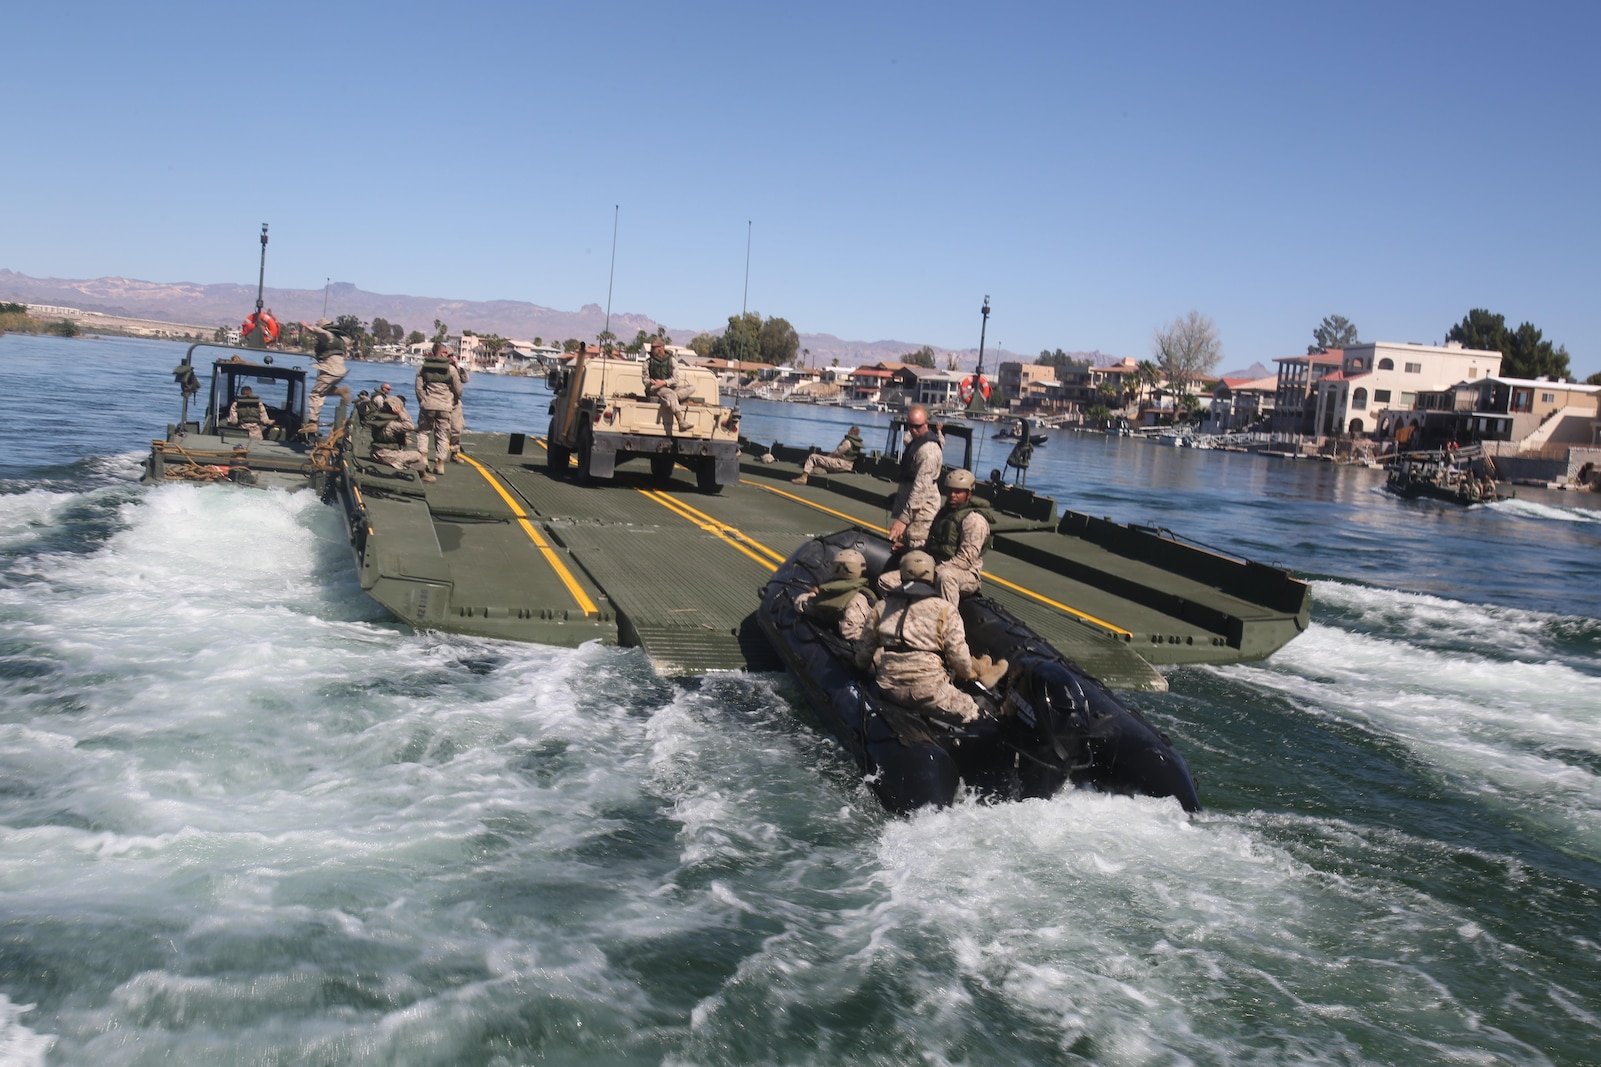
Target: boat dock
column 503, row 547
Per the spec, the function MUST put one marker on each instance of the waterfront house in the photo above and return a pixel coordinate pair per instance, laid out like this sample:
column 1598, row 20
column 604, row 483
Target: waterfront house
column 1508, row 415
column 1238, row 403
column 1340, row 392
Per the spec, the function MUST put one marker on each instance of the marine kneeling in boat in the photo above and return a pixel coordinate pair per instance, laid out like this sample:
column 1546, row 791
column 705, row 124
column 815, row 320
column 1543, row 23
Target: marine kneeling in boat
column 249, row 413
column 845, row 602
column 916, row 642
column 958, row 538
column 389, row 425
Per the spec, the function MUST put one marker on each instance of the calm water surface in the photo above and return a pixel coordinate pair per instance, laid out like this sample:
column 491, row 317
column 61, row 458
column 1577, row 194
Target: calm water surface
column 247, row 819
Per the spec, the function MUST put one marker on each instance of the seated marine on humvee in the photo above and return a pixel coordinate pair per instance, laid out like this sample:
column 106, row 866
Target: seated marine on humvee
column 601, row 416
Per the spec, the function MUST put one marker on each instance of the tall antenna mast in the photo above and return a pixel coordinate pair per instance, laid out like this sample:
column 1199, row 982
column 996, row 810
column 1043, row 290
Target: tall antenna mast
column 985, row 311
column 261, row 280
column 326, row 282
column 743, row 300
column 616, row 209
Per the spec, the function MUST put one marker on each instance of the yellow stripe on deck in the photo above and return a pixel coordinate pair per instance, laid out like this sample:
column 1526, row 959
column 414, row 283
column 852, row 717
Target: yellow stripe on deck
column 722, row 531
column 586, row 605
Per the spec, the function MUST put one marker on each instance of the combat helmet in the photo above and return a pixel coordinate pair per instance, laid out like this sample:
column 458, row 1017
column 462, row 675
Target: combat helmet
column 960, row 479
column 917, row 567
column 848, row 563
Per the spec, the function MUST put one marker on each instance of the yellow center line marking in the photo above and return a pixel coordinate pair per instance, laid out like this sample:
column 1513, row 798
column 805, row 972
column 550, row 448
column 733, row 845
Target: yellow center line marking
column 579, row 596
column 1057, row 604
column 812, row 504
column 1013, row 586
column 733, row 531
column 714, row 528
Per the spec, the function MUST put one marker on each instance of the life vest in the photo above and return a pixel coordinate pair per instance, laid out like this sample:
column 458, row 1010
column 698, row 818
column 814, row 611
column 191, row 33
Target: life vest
column 248, row 409
column 853, row 447
column 945, row 534
column 329, row 344
column 908, row 458
column 661, row 368
column 435, row 370
column 828, row 606
column 382, row 424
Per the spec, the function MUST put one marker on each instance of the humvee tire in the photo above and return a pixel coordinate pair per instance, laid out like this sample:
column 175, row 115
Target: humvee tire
column 556, row 456
column 661, row 467
column 706, row 476
column 586, row 453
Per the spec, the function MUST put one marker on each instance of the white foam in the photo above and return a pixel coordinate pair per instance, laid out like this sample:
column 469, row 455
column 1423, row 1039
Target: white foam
column 1529, row 509
column 20, row 1046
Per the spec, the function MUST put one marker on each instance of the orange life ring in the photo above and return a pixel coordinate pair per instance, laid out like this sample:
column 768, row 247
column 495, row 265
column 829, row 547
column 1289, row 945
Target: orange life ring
column 974, row 382
column 269, row 326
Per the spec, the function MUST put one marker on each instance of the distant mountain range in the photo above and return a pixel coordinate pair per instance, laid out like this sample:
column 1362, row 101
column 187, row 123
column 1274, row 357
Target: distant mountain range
column 218, row 304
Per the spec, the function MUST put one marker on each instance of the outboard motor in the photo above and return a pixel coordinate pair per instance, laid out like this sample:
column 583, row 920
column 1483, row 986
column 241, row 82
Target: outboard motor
column 1079, row 728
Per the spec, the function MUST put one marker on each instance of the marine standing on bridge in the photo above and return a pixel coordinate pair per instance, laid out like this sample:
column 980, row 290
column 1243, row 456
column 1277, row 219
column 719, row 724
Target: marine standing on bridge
column 839, row 461
column 458, row 421
column 438, row 389
column 331, row 370
column 959, row 537
column 248, row 412
column 914, row 636
column 917, row 499
column 666, row 384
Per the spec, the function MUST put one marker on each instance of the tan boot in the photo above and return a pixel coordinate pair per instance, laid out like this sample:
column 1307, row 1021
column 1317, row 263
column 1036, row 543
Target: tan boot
column 426, row 477
column 439, row 466
column 799, row 481
column 455, row 457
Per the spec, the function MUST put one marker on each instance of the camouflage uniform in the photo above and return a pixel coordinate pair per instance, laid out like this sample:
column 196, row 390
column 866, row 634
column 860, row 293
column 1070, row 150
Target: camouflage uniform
column 331, row 371
column 389, row 435
column 458, row 421
column 675, row 393
column 840, row 461
column 918, row 497
column 914, row 634
column 438, row 389
column 968, row 528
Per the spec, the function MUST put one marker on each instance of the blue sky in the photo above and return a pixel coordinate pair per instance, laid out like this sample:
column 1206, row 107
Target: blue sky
column 1097, row 170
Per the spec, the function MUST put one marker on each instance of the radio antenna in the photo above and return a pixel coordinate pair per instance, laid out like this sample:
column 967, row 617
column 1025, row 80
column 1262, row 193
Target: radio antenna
column 615, row 211
column 745, row 299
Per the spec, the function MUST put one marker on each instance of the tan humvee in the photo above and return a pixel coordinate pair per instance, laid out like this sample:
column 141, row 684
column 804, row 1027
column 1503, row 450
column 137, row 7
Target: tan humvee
column 601, row 416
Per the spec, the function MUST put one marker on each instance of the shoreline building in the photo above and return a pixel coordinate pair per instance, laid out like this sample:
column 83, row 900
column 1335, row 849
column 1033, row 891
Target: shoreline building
column 1327, row 394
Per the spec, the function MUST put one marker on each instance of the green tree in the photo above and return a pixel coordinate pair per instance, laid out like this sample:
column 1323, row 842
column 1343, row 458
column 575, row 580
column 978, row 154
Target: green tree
column 380, row 330
column 742, row 340
column 441, row 331
column 923, row 357
column 490, row 344
column 1594, row 379
column 1187, row 348
column 637, row 345
column 605, row 337
column 703, row 345
column 64, row 328
column 1335, row 331
column 778, row 342
column 415, row 337
column 220, row 334
column 1525, row 352
column 352, row 329
column 571, row 344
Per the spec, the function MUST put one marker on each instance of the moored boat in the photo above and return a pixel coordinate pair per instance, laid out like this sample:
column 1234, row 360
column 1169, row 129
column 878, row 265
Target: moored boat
column 1045, row 725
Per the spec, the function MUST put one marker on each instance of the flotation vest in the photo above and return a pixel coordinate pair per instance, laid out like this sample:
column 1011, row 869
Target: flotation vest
column 908, row 466
column 435, row 370
column 329, row 344
column 382, row 423
column 660, row 368
column 248, row 409
column 828, row 606
column 945, row 534
column 1022, row 452
column 853, row 447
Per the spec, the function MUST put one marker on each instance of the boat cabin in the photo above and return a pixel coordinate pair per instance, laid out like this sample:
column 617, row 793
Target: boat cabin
column 282, row 391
